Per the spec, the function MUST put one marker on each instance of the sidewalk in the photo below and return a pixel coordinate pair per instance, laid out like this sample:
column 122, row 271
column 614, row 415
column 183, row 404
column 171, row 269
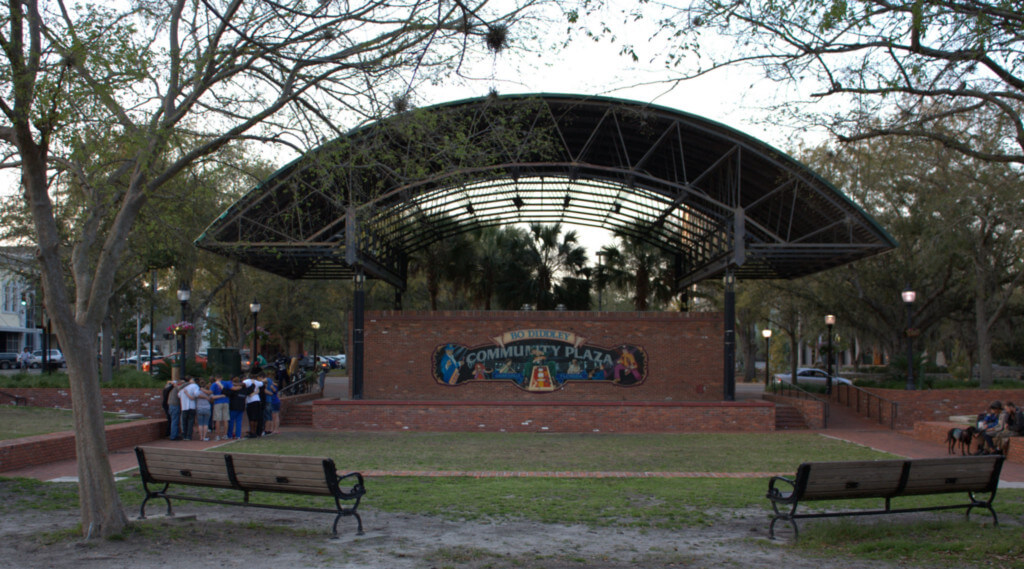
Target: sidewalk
column 843, row 425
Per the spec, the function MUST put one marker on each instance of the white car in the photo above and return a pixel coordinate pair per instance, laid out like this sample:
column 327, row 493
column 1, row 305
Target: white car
column 810, row 376
column 340, row 358
column 55, row 357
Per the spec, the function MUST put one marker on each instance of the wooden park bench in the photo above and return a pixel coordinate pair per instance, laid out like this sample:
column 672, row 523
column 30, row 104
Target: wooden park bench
column 248, row 473
column 885, row 479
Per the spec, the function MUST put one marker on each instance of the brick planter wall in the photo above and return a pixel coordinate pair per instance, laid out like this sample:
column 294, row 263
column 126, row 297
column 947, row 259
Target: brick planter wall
column 143, row 401
column 521, row 416
column 940, row 404
column 937, row 431
column 685, row 354
column 53, row 447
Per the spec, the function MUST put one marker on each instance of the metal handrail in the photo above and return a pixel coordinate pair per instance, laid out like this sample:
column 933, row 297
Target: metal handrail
column 299, row 385
column 867, row 397
column 801, row 393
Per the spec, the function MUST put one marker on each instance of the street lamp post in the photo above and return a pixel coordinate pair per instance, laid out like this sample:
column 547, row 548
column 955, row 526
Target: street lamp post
column 316, row 365
column 767, row 333
column 909, row 296
column 316, row 326
column 183, row 295
column 254, row 307
column 730, row 336
column 830, row 321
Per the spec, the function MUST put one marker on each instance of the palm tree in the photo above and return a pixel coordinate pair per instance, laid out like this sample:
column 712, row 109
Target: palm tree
column 446, row 261
column 643, row 270
column 559, row 258
column 502, row 257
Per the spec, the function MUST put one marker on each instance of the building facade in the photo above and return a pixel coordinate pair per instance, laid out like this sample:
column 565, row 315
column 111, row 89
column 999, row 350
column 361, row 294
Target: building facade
column 20, row 311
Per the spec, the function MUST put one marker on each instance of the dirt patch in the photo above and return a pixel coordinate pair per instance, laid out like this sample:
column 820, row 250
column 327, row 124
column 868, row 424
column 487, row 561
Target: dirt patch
column 230, row 537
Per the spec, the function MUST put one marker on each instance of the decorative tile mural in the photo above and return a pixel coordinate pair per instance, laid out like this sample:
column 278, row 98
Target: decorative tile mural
column 539, row 360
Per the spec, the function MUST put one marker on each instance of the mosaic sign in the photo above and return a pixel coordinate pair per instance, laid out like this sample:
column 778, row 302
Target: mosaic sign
column 539, row 360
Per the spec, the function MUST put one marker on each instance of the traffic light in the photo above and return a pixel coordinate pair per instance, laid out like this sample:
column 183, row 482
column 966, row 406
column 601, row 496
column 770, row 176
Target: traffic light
column 24, row 299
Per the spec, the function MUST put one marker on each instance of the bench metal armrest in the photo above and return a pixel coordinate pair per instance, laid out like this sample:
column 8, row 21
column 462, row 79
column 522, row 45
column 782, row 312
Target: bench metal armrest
column 776, row 494
column 357, row 490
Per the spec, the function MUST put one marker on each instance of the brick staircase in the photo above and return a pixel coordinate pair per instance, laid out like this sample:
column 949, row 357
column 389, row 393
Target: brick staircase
column 788, row 418
column 298, row 416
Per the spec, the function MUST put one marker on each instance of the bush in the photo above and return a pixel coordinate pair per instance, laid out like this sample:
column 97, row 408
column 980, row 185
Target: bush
column 123, row 378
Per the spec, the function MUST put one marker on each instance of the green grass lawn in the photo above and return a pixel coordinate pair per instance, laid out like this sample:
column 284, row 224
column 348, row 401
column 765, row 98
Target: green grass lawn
column 704, row 452
column 932, row 540
column 16, row 422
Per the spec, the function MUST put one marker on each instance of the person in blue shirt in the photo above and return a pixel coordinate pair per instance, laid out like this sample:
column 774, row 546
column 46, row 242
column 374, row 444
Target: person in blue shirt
column 221, row 413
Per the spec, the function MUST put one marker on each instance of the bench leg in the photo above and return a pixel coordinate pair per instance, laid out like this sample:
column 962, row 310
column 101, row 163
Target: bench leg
column 792, row 522
column 995, row 519
column 785, row 516
column 150, row 494
column 359, row 521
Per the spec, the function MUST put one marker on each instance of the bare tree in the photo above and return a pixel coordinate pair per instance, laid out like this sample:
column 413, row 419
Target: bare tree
column 168, row 84
column 883, row 67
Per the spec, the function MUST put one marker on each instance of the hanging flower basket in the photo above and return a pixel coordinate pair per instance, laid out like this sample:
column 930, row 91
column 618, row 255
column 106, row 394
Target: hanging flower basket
column 181, row 328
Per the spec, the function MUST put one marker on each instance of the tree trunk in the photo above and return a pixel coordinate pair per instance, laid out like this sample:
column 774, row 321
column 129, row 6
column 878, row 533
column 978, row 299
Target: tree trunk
column 984, row 343
column 102, row 514
column 106, row 361
column 794, row 356
column 99, row 504
column 746, row 336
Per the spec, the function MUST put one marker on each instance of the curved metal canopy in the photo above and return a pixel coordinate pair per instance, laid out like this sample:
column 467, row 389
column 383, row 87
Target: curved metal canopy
column 714, row 197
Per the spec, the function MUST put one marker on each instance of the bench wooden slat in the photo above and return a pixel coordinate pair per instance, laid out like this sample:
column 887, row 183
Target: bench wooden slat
column 181, row 466
column 306, row 476
column 958, row 474
column 856, row 479
column 279, row 460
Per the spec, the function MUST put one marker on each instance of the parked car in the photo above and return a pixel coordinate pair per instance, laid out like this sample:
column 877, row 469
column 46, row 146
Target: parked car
column 8, row 360
column 810, row 376
column 55, row 357
column 172, row 359
column 340, row 358
column 306, row 362
column 142, row 356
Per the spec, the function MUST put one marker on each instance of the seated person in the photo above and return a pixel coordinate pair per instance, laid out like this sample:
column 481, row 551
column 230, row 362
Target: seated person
column 1014, row 428
column 993, row 423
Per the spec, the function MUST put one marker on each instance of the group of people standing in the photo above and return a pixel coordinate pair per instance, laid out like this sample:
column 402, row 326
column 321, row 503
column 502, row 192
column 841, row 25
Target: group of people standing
column 197, row 407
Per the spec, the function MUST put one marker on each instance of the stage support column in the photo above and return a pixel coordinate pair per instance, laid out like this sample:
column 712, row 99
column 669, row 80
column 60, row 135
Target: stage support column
column 729, row 383
column 358, row 307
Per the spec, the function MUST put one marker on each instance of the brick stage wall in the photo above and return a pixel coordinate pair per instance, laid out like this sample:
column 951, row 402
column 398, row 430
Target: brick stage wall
column 545, row 416
column 685, row 354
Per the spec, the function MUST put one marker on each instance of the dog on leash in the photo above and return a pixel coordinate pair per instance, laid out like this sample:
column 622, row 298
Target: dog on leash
column 962, row 437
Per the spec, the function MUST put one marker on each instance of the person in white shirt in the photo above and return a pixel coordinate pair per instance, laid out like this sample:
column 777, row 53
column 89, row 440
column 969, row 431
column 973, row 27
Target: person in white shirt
column 187, row 396
column 253, row 409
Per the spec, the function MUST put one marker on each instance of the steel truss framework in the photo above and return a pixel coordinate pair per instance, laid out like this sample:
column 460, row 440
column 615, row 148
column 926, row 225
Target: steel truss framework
column 713, row 197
